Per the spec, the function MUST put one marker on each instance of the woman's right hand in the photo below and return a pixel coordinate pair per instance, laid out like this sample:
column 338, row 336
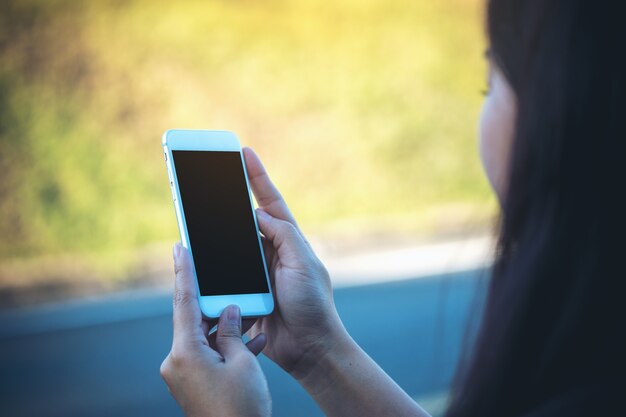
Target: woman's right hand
column 304, row 333
column 305, row 325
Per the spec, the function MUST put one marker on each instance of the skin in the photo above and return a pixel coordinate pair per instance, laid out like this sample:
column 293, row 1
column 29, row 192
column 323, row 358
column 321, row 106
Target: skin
column 218, row 375
column 497, row 123
column 211, row 376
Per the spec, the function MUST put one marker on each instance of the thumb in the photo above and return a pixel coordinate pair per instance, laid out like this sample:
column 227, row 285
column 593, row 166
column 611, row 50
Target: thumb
column 228, row 340
column 187, row 316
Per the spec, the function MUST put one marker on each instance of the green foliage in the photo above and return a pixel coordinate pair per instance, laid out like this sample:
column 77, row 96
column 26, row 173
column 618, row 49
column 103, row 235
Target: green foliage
column 360, row 109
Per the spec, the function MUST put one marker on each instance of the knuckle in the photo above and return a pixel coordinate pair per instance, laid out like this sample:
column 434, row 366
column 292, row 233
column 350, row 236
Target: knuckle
column 320, row 266
column 288, row 227
column 166, row 369
column 245, row 359
column 232, row 331
column 287, row 230
column 177, row 360
column 181, row 297
column 179, row 268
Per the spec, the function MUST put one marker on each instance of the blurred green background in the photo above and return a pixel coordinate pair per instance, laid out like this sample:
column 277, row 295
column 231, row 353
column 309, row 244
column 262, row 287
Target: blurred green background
column 364, row 112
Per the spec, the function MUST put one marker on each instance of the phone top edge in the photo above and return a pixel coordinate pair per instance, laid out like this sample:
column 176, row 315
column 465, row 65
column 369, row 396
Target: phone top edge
column 210, row 140
column 202, row 133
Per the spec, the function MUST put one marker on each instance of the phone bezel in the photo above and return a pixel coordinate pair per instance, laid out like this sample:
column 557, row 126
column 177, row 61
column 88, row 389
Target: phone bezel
column 251, row 305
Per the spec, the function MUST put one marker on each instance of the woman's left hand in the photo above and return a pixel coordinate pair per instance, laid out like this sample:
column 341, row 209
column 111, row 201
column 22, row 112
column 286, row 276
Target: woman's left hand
column 217, row 375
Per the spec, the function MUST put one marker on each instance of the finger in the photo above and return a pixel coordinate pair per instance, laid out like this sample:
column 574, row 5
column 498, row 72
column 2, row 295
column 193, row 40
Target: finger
column 246, row 325
column 257, row 344
column 265, row 192
column 268, row 250
column 208, row 325
column 187, row 316
column 205, row 328
column 288, row 243
column 270, row 257
column 228, row 339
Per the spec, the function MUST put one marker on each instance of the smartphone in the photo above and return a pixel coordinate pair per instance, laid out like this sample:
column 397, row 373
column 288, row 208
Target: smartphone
column 217, row 221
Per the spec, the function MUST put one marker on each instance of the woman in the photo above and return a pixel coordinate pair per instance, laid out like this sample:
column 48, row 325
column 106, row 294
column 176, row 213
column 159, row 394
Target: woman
column 551, row 341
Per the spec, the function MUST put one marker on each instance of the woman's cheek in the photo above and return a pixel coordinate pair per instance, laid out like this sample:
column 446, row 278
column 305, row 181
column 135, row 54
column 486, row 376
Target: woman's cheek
column 496, row 133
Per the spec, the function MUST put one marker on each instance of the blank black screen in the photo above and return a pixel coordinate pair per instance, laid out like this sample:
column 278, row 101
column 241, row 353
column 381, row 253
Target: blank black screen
column 222, row 234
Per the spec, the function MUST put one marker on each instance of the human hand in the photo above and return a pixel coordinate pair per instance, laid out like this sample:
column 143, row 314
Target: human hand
column 216, row 375
column 304, row 325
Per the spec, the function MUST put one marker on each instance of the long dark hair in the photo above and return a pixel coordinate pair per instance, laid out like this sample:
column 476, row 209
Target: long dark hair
column 552, row 339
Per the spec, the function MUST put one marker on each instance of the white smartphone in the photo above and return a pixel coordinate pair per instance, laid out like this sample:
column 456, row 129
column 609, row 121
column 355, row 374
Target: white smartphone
column 217, row 221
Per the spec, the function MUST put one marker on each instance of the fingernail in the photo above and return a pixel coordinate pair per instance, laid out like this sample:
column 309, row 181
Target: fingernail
column 176, row 251
column 234, row 315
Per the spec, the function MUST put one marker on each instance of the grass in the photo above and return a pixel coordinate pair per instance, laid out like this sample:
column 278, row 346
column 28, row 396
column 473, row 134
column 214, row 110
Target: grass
column 363, row 111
